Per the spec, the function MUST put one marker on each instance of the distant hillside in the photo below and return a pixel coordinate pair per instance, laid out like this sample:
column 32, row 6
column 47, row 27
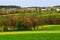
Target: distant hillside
column 57, row 6
column 9, row 6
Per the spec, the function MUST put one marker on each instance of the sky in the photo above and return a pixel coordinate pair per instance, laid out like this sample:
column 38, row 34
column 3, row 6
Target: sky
column 30, row 3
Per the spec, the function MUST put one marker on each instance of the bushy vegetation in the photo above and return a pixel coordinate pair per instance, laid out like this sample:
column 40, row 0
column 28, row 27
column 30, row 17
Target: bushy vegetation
column 29, row 21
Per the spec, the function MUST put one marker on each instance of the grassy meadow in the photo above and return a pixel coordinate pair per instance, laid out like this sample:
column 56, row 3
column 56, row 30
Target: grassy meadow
column 48, row 32
column 50, row 28
column 31, row 36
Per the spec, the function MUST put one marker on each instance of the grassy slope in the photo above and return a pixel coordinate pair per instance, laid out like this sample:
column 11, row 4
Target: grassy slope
column 51, row 27
column 34, row 36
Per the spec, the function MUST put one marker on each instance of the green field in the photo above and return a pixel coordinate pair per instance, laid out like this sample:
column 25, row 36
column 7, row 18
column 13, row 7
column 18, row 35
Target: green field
column 51, row 27
column 30, row 36
column 48, row 32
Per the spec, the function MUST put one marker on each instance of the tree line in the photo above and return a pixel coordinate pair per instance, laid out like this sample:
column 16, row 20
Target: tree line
column 29, row 22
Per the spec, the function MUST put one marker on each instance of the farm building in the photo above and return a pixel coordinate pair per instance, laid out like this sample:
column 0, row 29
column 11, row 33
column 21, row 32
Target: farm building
column 44, row 10
column 57, row 10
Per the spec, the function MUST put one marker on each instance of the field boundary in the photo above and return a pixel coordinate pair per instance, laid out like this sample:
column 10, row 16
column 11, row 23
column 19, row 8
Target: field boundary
column 28, row 32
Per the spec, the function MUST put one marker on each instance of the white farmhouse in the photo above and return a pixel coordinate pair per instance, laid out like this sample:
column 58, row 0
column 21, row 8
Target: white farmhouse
column 57, row 10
